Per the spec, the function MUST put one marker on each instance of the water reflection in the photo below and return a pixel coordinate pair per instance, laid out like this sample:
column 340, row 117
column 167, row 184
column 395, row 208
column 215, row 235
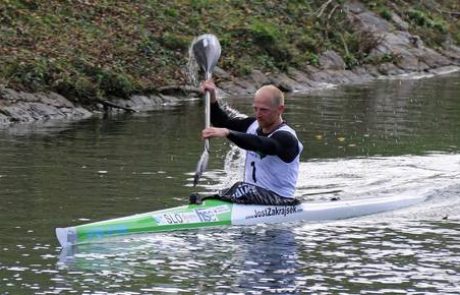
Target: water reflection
column 346, row 257
column 269, row 262
column 238, row 260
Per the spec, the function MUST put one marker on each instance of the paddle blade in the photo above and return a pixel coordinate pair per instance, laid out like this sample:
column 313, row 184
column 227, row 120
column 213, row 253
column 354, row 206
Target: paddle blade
column 206, row 49
column 201, row 167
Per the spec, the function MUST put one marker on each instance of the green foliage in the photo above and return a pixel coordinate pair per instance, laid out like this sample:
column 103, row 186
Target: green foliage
column 243, row 66
column 35, row 74
column 356, row 46
column 433, row 30
column 385, row 13
column 172, row 12
column 439, row 25
column 83, row 87
column 266, row 61
column 377, row 59
column 264, row 33
column 200, row 4
column 434, row 21
column 308, row 43
column 312, row 58
column 420, row 18
column 351, row 61
column 115, row 84
column 93, row 49
column 175, row 42
column 456, row 37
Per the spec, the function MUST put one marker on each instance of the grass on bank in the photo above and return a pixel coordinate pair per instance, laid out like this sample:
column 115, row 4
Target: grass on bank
column 87, row 49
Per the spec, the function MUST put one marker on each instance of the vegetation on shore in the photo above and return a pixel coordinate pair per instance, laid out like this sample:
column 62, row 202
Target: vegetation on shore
column 90, row 49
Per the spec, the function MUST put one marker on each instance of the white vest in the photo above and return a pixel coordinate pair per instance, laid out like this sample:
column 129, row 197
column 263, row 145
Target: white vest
column 269, row 171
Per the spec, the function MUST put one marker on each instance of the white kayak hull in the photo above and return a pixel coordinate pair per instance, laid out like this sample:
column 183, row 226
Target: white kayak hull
column 218, row 213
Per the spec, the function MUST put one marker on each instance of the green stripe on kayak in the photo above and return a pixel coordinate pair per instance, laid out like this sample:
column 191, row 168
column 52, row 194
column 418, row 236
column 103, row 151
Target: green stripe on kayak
column 209, row 213
column 215, row 213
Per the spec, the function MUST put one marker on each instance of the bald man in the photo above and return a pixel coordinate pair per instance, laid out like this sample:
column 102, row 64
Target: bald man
column 272, row 148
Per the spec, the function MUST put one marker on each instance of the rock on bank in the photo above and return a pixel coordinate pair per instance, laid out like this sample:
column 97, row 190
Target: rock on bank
column 22, row 107
column 393, row 51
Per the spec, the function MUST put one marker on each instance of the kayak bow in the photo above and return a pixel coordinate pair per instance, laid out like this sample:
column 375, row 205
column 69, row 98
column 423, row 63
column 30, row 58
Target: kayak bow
column 219, row 213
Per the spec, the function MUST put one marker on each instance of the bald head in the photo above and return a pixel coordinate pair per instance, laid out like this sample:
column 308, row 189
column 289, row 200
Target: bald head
column 271, row 91
column 268, row 107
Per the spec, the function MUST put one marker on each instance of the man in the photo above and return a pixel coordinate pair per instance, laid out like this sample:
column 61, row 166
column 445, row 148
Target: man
column 272, row 148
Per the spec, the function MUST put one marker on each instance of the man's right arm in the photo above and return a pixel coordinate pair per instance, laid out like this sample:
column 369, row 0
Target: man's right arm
column 220, row 118
column 224, row 118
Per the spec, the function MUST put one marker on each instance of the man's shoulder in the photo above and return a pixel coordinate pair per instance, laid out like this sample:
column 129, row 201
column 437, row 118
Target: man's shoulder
column 286, row 130
column 290, row 145
column 285, row 136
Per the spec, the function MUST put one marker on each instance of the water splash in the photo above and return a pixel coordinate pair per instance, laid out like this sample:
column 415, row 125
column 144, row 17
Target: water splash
column 192, row 70
column 233, row 165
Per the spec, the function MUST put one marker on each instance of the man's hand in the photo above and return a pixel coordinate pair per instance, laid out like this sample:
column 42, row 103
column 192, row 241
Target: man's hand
column 214, row 132
column 209, row 85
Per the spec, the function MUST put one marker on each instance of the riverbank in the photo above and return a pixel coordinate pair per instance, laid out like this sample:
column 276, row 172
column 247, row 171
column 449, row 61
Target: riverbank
column 310, row 48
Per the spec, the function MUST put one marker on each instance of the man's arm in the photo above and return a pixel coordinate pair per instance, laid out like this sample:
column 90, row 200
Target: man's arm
column 220, row 118
column 226, row 118
column 282, row 144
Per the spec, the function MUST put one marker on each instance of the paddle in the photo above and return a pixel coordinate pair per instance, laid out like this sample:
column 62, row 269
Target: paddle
column 206, row 49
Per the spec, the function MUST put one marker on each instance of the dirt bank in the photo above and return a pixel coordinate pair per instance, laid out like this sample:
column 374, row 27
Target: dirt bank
column 388, row 46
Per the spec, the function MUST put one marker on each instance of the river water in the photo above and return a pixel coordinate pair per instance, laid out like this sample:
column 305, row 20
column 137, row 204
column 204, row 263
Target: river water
column 390, row 137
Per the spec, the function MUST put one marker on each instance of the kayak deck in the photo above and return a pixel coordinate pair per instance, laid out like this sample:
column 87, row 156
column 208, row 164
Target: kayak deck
column 218, row 213
column 209, row 213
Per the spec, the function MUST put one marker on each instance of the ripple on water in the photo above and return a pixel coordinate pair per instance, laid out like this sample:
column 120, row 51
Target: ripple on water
column 410, row 251
column 347, row 257
column 365, row 256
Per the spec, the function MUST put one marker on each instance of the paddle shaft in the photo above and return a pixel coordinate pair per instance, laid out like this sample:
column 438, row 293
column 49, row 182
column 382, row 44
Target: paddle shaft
column 207, row 111
column 206, row 49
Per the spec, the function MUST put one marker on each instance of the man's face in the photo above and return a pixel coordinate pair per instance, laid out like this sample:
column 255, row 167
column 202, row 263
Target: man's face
column 265, row 111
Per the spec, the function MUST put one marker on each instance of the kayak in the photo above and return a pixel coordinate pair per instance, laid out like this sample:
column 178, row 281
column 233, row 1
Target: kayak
column 214, row 212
